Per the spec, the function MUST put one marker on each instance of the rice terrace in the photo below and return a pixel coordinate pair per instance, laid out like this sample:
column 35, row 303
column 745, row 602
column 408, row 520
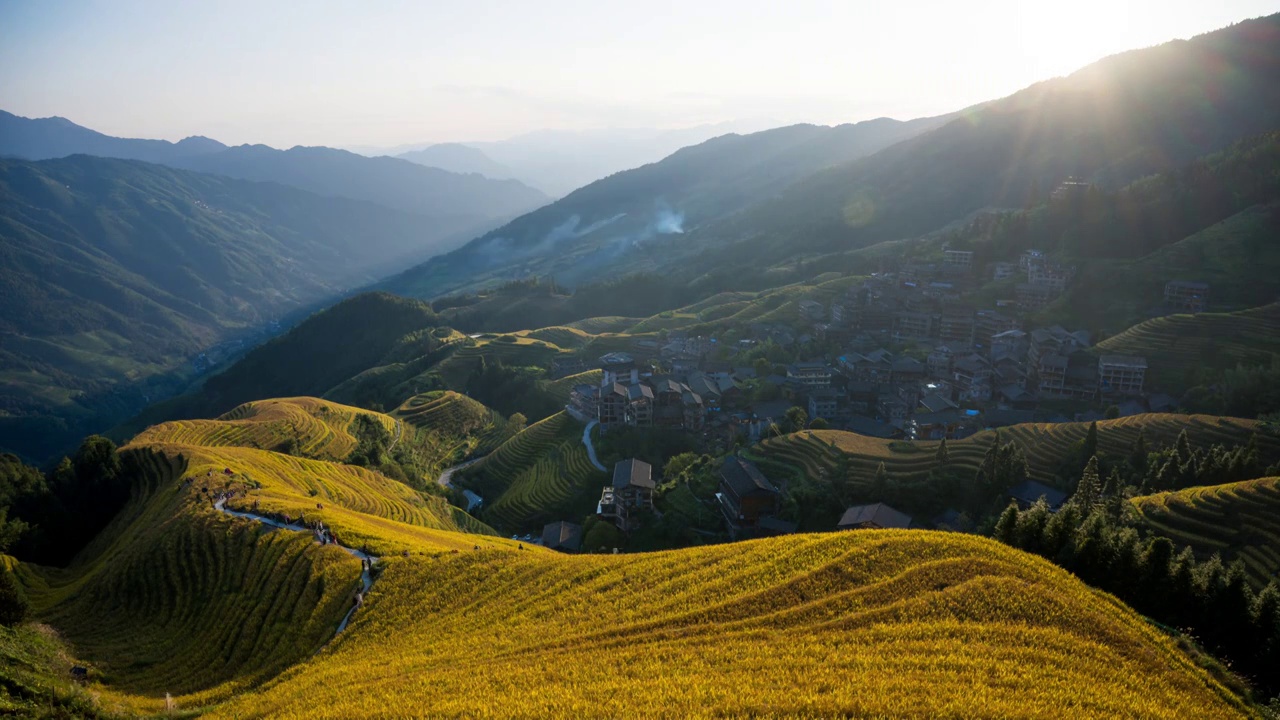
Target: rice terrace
column 563, row 360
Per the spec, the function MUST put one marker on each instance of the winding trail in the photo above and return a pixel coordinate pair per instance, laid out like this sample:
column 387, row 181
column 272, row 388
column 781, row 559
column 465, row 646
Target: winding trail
column 591, row 451
column 446, row 477
column 366, row 576
column 396, row 439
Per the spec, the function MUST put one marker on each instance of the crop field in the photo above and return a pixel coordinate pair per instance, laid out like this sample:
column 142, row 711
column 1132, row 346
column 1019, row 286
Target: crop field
column 236, row 620
column 539, row 475
column 604, row 324
column 521, row 351
column 1175, row 344
column 319, row 427
column 560, row 484
column 1237, row 520
column 569, row 338
column 817, row 453
column 885, row 623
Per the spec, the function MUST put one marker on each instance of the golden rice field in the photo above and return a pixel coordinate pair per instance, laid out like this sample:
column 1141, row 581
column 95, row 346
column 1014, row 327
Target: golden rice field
column 235, row 620
column 1237, row 521
column 319, row 428
column 872, row 624
column 818, row 453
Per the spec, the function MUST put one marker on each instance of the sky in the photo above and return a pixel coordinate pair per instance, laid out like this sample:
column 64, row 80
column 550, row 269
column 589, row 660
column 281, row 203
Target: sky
column 383, row 73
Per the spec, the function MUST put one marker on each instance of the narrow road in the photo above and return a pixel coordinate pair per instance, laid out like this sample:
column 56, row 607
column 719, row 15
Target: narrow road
column 591, row 451
column 446, row 477
column 366, row 576
column 396, row 439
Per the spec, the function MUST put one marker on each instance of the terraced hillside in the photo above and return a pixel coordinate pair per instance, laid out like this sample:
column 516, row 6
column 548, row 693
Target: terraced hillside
column 444, row 427
column 1237, row 520
column 819, row 453
column 176, row 597
column 1175, row 344
column 540, row 475
column 303, row 426
column 902, row 624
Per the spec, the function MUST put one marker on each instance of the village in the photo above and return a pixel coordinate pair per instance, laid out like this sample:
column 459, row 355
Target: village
column 909, row 357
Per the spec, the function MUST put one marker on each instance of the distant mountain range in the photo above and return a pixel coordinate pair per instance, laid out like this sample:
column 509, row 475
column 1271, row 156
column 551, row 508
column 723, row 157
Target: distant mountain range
column 737, row 205
column 579, row 237
column 561, row 161
column 397, row 184
column 116, row 273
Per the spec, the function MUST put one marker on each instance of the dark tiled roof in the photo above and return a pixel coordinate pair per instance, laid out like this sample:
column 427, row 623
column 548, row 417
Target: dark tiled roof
column 880, row 514
column 562, row 535
column 745, row 478
column 633, row 473
column 1031, row 491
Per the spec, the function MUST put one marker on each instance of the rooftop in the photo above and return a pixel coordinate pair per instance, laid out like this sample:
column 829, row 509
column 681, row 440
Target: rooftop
column 633, row 473
column 879, row 514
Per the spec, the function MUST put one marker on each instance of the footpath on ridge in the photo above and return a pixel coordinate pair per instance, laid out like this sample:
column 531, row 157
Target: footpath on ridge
column 366, row 560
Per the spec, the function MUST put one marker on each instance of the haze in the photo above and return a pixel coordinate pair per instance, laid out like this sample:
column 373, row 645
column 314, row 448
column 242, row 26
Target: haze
column 385, row 74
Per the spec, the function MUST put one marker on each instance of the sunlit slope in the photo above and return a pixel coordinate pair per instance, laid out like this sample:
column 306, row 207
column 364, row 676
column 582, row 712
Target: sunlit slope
column 1175, row 344
column 362, row 506
column 1236, row 520
column 818, row 453
column 902, row 624
column 304, row 426
column 176, row 597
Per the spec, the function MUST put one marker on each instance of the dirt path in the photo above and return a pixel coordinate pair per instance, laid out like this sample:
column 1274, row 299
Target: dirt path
column 396, row 439
column 366, row 576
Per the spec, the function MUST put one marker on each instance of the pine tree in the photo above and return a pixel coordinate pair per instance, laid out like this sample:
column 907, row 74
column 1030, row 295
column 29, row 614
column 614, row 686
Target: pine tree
column 1006, row 525
column 942, row 457
column 1089, row 489
column 880, row 484
column 1138, row 454
column 1183, row 447
column 1091, row 441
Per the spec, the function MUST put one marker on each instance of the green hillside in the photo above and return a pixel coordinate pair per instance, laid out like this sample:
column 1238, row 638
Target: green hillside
column 1176, row 345
column 538, row 476
column 1237, row 521
column 118, row 273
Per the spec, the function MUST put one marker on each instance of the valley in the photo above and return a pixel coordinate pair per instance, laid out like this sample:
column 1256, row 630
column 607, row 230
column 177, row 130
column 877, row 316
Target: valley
column 975, row 414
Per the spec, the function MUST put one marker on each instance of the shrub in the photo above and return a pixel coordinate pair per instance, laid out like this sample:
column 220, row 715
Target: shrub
column 13, row 601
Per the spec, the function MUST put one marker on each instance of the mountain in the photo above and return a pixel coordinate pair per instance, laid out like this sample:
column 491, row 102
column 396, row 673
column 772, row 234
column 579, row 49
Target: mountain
column 55, row 137
column 1120, row 119
column 580, row 235
column 1117, row 120
column 475, row 203
column 392, row 182
column 561, row 161
column 116, row 273
column 458, row 158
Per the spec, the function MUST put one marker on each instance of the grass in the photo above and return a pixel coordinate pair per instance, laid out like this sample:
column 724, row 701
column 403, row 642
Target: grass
column 818, row 453
column 1237, row 521
column 539, row 475
column 890, row 623
column 317, row 428
column 1176, row 344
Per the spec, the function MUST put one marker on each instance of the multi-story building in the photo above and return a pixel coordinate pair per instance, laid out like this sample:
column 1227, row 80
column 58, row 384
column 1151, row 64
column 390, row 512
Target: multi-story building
column 957, row 260
column 1186, row 296
column 956, row 325
column 1121, row 374
column 1002, row 270
column 810, row 374
column 912, row 325
column 989, row 323
column 1031, row 298
column 1074, row 376
column 630, row 493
